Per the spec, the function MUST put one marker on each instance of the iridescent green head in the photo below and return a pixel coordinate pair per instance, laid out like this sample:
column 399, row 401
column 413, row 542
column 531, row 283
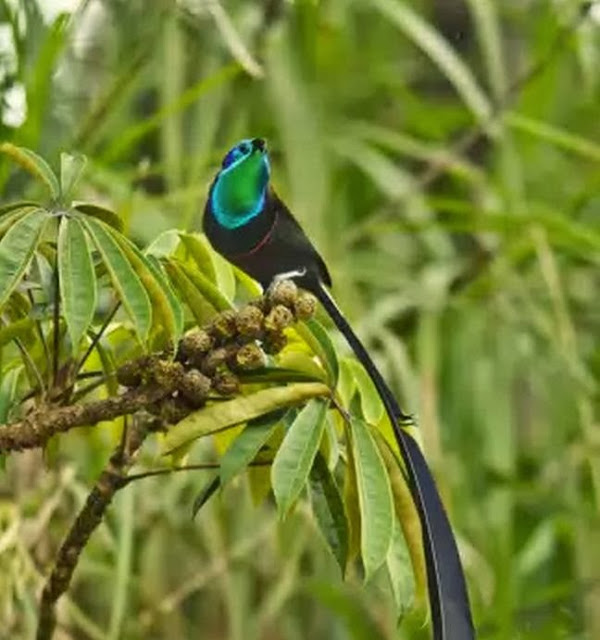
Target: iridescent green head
column 239, row 191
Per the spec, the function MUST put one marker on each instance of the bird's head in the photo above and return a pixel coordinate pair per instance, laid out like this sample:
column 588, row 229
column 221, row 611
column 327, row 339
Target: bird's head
column 239, row 190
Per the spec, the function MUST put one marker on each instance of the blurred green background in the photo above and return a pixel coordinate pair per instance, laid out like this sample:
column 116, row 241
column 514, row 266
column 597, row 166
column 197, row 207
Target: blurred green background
column 471, row 271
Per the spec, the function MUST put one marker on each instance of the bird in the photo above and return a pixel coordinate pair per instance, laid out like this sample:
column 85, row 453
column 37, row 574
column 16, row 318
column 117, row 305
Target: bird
column 249, row 225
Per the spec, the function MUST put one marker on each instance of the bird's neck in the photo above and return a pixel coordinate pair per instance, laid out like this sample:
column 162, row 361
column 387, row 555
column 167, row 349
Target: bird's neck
column 239, row 193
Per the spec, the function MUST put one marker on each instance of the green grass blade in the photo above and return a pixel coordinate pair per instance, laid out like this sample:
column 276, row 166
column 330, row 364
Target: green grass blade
column 77, row 279
column 138, row 130
column 553, row 135
column 293, row 461
column 440, row 52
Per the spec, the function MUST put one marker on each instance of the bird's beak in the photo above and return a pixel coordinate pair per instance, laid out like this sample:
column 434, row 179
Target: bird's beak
column 259, row 144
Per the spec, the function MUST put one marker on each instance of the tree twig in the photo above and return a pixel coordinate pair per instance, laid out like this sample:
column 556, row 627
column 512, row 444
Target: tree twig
column 90, row 516
column 42, row 423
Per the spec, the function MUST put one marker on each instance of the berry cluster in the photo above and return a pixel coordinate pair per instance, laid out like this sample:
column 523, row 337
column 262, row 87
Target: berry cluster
column 208, row 360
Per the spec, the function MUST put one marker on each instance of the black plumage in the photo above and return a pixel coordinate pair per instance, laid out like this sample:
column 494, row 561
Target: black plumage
column 271, row 243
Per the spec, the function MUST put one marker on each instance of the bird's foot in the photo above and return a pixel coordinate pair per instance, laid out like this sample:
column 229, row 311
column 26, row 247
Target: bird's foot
column 286, row 275
column 289, row 275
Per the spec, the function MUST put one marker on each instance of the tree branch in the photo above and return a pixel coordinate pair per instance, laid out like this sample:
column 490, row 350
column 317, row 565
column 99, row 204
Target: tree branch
column 42, row 423
column 90, row 516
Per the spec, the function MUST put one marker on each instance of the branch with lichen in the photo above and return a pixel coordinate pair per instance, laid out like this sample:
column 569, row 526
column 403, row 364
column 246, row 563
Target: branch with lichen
column 207, row 361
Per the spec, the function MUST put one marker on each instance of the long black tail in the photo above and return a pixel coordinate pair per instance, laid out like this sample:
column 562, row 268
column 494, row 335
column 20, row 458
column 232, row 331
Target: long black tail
column 450, row 609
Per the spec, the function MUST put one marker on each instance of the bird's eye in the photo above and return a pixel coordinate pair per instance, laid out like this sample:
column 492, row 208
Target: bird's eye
column 244, row 148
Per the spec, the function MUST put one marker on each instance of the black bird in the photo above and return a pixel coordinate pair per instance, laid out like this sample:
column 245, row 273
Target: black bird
column 251, row 227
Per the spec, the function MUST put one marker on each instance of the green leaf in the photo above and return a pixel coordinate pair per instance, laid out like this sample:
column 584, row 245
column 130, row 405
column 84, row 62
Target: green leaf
column 375, row 498
column 317, row 338
column 328, row 508
column 278, row 374
column 350, row 609
column 8, row 392
column 71, row 170
column 127, row 283
column 208, row 290
column 201, row 309
column 221, row 415
column 76, row 277
column 157, row 271
column 248, row 443
column 408, row 517
column 16, row 329
column 560, row 138
column 199, row 250
column 14, row 206
column 205, row 494
column 17, row 248
column 351, row 501
column 8, row 221
column 163, row 313
column 164, row 245
column 346, row 385
column 301, row 361
column 295, row 456
column 33, row 164
column 101, row 213
column 440, row 52
column 370, row 402
column 224, row 276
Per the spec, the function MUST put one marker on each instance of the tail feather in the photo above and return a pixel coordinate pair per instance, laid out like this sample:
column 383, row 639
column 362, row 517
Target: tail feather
column 450, row 609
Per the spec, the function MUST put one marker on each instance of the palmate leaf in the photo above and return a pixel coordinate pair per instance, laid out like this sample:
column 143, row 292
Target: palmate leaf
column 10, row 215
column 17, row 248
column 77, row 280
column 166, row 311
column 208, row 290
column 126, row 281
column 71, row 170
column 201, row 309
column 100, row 213
column 296, row 454
column 222, row 415
column 161, row 277
column 35, row 165
column 5, row 209
column 374, row 496
column 201, row 254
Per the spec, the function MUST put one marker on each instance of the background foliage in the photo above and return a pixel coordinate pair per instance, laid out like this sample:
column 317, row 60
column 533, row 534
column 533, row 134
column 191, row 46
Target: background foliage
column 477, row 290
